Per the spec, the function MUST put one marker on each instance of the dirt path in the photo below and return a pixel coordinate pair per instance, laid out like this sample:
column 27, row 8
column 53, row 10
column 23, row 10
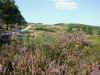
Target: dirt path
column 16, row 32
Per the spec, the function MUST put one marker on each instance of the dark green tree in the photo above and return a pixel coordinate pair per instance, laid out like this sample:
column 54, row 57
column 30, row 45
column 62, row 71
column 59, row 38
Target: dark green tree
column 10, row 14
column 90, row 30
column 98, row 32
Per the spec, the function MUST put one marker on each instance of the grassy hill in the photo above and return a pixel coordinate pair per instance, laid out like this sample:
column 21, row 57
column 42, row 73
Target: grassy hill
column 52, row 50
column 86, row 28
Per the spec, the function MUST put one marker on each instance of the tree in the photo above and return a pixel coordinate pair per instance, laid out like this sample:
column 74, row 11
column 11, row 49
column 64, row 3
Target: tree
column 90, row 30
column 98, row 32
column 10, row 14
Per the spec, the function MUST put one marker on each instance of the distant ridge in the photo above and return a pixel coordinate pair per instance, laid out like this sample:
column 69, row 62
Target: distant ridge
column 89, row 29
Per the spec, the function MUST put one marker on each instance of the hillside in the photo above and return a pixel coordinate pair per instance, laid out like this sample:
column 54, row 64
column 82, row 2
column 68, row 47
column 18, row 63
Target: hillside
column 89, row 29
column 40, row 47
column 51, row 49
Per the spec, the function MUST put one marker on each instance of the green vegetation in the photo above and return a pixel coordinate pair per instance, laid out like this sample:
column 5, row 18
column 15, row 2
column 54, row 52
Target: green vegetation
column 60, row 49
column 45, row 29
column 42, row 51
column 10, row 14
column 86, row 28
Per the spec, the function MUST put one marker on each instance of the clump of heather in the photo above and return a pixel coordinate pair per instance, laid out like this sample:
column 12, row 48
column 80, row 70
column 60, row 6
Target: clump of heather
column 1, row 68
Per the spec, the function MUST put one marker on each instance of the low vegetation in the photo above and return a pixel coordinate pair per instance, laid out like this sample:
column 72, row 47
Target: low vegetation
column 88, row 29
column 50, row 50
column 60, row 49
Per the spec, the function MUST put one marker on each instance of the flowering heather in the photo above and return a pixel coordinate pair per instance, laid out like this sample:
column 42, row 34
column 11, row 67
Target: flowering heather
column 1, row 68
column 23, row 50
column 59, row 53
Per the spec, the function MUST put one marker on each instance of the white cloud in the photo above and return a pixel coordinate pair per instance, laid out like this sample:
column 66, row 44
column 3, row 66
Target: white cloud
column 65, row 4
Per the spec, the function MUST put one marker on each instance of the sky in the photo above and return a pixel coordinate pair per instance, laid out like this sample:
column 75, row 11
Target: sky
column 60, row 11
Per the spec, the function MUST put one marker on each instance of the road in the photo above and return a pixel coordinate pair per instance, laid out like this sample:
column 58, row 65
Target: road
column 16, row 32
